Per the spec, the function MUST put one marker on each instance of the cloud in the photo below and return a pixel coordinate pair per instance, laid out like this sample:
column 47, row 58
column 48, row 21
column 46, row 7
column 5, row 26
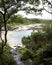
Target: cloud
column 45, row 15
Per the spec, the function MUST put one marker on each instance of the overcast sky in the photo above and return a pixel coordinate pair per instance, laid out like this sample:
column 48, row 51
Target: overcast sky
column 45, row 15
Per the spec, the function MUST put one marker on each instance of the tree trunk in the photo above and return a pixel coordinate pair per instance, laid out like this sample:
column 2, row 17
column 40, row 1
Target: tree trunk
column 5, row 27
column 2, row 41
column 0, row 30
column 5, row 35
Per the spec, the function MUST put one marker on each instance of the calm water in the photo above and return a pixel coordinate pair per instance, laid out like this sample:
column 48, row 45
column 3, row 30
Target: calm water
column 16, row 36
column 15, row 39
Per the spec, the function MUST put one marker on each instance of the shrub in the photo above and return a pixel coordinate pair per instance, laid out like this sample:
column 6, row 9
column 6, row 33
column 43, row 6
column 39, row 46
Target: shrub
column 40, row 43
column 6, row 58
column 27, row 55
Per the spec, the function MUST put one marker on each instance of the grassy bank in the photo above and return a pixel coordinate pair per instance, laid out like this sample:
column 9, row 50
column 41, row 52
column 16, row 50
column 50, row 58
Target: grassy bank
column 12, row 24
column 18, row 20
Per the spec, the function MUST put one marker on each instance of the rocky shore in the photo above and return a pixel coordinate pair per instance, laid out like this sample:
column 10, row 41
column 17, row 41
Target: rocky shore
column 28, row 27
column 25, row 27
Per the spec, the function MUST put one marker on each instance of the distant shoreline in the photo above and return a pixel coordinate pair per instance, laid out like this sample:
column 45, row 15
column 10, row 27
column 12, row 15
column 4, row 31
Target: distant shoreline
column 25, row 27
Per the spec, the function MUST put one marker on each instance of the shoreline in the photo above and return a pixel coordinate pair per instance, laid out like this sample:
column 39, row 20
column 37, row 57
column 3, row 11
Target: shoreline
column 29, row 27
column 25, row 27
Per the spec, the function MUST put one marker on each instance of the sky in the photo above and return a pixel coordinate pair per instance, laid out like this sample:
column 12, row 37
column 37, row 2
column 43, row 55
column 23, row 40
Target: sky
column 45, row 15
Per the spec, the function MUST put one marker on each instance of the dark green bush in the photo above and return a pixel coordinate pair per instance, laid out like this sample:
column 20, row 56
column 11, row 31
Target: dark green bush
column 27, row 55
column 48, row 31
column 6, row 58
column 40, row 43
column 35, row 41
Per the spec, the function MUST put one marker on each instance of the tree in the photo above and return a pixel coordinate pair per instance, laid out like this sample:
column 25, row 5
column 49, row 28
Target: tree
column 45, row 5
column 7, row 9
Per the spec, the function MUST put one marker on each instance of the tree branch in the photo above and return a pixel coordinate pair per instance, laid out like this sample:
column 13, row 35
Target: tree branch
column 47, row 11
column 1, row 13
column 49, row 2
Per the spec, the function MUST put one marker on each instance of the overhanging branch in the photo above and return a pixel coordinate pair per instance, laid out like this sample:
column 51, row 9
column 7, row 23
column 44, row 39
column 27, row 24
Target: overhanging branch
column 47, row 11
column 49, row 2
column 1, row 13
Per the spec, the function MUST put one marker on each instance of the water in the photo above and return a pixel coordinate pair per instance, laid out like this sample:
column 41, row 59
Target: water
column 16, row 36
column 15, row 39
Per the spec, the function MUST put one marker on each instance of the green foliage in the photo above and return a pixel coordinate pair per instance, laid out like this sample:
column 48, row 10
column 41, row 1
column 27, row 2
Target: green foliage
column 18, row 20
column 34, row 41
column 6, row 58
column 43, row 55
column 40, row 44
column 48, row 30
column 27, row 55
